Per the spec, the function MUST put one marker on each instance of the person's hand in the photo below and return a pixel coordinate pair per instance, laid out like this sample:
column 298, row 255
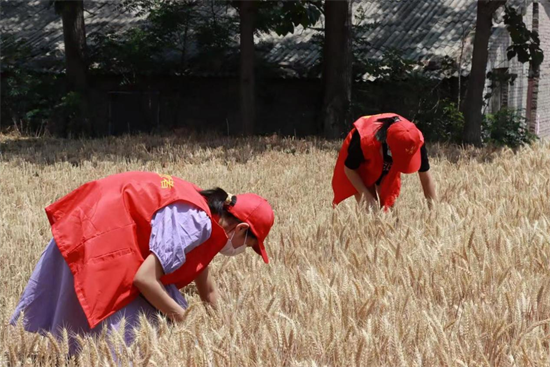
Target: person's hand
column 370, row 203
column 147, row 281
column 179, row 317
column 431, row 203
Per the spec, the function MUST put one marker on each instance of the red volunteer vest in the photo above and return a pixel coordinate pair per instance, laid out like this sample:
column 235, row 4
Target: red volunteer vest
column 102, row 230
column 371, row 169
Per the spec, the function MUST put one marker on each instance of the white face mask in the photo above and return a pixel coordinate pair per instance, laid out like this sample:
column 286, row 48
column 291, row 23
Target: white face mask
column 229, row 250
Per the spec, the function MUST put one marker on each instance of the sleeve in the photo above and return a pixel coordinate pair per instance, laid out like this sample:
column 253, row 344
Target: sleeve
column 177, row 229
column 424, row 162
column 355, row 153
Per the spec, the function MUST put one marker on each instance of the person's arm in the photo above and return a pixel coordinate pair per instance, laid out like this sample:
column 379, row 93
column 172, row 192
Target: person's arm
column 352, row 163
column 357, row 182
column 176, row 229
column 147, row 280
column 428, row 185
column 207, row 287
column 426, row 180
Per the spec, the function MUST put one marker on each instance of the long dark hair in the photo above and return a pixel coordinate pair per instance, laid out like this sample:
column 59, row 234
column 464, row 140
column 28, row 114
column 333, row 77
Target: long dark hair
column 217, row 199
column 382, row 132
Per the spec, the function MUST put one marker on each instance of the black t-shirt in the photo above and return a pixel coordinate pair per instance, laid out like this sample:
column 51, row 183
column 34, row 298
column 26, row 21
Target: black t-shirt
column 356, row 157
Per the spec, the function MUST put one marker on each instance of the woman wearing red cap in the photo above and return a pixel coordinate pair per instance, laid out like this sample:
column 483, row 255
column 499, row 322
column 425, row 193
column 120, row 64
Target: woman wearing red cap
column 375, row 153
column 124, row 245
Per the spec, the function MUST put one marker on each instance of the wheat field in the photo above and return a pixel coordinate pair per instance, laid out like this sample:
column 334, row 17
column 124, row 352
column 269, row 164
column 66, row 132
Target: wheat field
column 464, row 284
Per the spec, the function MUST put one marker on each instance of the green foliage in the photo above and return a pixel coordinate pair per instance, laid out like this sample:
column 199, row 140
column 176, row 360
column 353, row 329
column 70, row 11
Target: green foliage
column 216, row 42
column 392, row 66
column 136, row 52
column 190, row 36
column 283, row 16
column 205, row 25
column 361, row 27
column 443, row 122
column 31, row 101
column 401, row 86
column 27, row 97
column 506, row 127
column 70, row 105
column 497, row 79
column 162, row 43
column 525, row 43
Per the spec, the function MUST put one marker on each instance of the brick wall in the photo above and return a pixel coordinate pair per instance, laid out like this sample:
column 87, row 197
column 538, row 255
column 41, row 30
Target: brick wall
column 543, row 105
column 517, row 93
column 499, row 42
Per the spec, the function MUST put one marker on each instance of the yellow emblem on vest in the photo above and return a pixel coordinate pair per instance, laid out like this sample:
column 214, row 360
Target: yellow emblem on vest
column 167, row 181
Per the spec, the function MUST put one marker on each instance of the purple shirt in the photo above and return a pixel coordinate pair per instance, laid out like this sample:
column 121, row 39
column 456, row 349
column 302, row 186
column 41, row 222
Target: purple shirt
column 49, row 301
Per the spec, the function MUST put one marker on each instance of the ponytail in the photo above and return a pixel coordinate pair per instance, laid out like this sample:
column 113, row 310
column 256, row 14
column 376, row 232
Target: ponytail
column 218, row 200
column 382, row 132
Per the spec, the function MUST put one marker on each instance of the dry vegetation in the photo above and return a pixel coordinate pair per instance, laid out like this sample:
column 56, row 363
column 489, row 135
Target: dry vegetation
column 466, row 284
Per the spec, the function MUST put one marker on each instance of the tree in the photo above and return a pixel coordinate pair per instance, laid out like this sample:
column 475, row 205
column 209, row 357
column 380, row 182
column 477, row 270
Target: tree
column 525, row 45
column 179, row 37
column 337, row 68
column 74, row 36
column 248, row 12
column 212, row 34
column 474, row 94
column 27, row 99
column 265, row 15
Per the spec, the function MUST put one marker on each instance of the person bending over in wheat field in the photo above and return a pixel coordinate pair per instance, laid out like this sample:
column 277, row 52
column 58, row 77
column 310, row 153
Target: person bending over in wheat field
column 123, row 245
column 374, row 154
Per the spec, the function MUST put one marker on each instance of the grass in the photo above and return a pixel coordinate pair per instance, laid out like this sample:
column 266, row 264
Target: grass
column 465, row 284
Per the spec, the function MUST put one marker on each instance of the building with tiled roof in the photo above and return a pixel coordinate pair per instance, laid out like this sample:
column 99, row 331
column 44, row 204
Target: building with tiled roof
column 426, row 31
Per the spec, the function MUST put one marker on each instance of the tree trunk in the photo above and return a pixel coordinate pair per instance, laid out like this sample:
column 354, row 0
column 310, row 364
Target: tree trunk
column 337, row 77
column 533, row 82
column 74, row 35
column 247, row 11
column 476, row 83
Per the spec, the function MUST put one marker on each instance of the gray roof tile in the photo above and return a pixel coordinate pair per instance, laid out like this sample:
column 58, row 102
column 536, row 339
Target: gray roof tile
column 421, row 29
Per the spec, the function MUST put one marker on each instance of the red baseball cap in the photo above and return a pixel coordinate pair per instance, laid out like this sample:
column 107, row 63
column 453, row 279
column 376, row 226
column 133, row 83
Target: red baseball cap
column 258, row 214
column 405, row 140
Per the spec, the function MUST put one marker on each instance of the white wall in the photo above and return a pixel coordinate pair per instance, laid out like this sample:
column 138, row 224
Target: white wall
column 517, row 94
